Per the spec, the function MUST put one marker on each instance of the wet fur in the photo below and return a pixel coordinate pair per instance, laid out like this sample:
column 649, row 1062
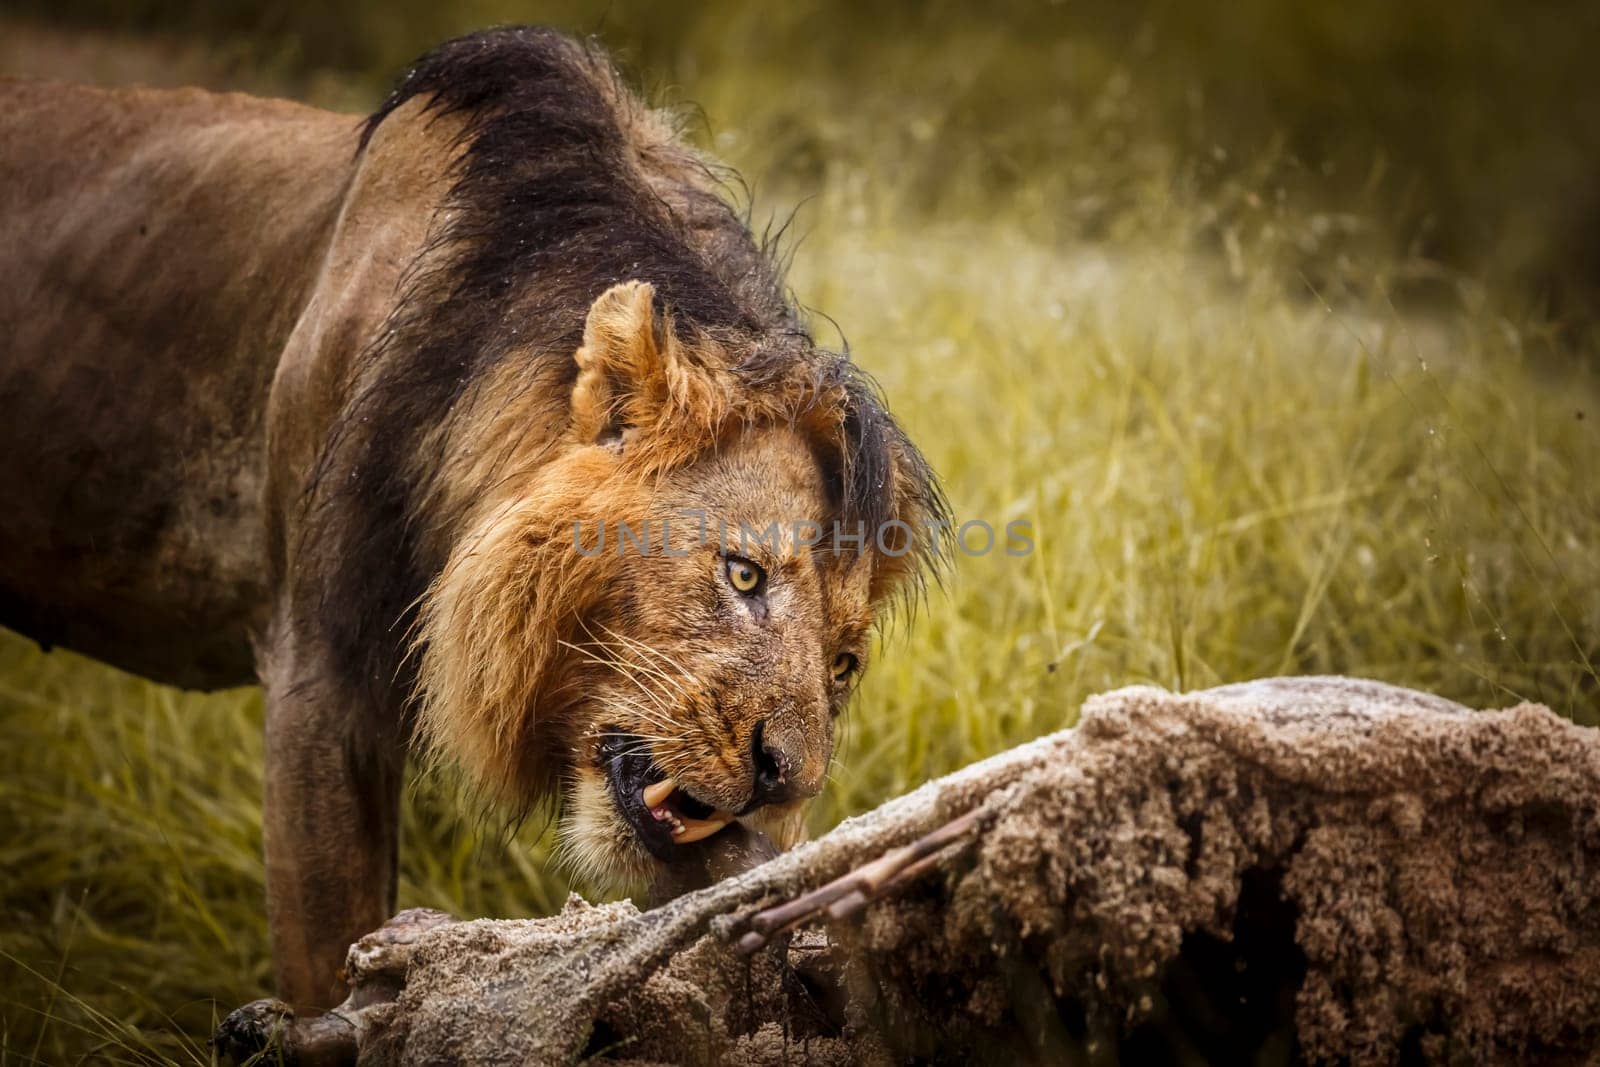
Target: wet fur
column 509, row 300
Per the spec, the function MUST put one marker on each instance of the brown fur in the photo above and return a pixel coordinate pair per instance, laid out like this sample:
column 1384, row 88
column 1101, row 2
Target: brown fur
column 327, row 397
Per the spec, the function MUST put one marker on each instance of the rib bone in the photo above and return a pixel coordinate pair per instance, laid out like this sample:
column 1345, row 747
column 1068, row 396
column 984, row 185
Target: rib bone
column 850, row 892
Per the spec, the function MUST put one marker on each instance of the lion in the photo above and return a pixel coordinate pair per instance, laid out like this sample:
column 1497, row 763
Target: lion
column 479, row 428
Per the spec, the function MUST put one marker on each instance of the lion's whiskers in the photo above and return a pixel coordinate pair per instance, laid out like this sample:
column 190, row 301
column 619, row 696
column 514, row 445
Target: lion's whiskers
column 621, row 667
column 632, row 735
column 672, row 752
column 648, row 714
column 654, row 654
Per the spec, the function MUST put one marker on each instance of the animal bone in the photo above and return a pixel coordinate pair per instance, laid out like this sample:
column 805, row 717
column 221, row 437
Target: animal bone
column 1200, row 874
column 849, row 893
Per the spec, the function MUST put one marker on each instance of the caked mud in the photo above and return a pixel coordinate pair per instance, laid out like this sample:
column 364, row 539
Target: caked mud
column 1287, row 870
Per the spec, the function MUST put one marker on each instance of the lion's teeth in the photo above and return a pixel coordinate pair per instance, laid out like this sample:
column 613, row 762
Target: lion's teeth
column 657, row 793
column 689, row 831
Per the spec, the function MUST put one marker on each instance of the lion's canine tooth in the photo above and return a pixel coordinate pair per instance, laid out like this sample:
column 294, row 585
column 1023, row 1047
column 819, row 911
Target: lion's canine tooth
column 699, row 829
column 658, row 792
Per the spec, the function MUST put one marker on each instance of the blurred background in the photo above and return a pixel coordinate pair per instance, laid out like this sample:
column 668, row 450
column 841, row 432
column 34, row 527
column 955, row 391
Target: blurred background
column 1275, row 319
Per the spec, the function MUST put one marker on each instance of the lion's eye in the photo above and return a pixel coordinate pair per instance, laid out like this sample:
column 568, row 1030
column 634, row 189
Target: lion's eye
column 844, row 665
column 745, row 576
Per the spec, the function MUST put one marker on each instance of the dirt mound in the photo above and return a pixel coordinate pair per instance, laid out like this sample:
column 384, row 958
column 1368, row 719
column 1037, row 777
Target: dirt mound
column 1312, row 868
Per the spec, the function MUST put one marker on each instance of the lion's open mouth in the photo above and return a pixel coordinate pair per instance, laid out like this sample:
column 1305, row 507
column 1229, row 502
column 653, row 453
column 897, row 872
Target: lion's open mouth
column 663, row 815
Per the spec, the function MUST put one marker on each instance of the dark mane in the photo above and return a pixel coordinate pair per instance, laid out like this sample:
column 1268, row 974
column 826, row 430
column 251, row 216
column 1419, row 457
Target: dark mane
column 553, row 189
column 563, row 190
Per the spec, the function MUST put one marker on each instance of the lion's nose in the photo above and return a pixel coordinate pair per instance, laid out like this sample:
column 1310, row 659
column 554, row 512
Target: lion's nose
column 778, row 757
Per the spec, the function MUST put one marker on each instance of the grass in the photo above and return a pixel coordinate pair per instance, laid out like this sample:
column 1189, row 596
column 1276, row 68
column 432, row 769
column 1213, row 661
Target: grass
column 1246, row 444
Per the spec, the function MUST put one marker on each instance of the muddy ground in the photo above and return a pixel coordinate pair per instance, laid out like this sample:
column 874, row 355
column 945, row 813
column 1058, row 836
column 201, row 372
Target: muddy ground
column 1295, row 869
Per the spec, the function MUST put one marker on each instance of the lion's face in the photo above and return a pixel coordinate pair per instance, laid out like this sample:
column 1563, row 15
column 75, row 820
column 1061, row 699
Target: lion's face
column 717, row 662
column 655, row 618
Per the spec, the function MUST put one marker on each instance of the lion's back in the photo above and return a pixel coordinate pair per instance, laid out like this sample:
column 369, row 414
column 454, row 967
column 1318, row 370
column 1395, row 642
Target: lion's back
column 159, row 244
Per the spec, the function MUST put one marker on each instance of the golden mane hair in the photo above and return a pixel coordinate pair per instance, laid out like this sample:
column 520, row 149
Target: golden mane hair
column 591, row 280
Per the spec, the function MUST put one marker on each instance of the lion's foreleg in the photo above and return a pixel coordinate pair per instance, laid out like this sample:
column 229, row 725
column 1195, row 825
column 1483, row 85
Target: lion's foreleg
column 331, row 827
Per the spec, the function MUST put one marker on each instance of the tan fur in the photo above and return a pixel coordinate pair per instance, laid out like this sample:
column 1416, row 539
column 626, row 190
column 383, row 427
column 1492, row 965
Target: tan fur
column 198, row 296
column 524, row 651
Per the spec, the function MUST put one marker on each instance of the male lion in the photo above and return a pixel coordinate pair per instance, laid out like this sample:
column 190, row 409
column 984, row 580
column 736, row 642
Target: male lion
column 348, row 405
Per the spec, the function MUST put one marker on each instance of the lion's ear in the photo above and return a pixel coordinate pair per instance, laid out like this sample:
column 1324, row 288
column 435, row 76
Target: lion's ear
column 621, row 365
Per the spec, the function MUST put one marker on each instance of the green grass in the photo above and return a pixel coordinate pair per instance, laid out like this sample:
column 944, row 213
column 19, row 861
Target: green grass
column 1240, row 456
